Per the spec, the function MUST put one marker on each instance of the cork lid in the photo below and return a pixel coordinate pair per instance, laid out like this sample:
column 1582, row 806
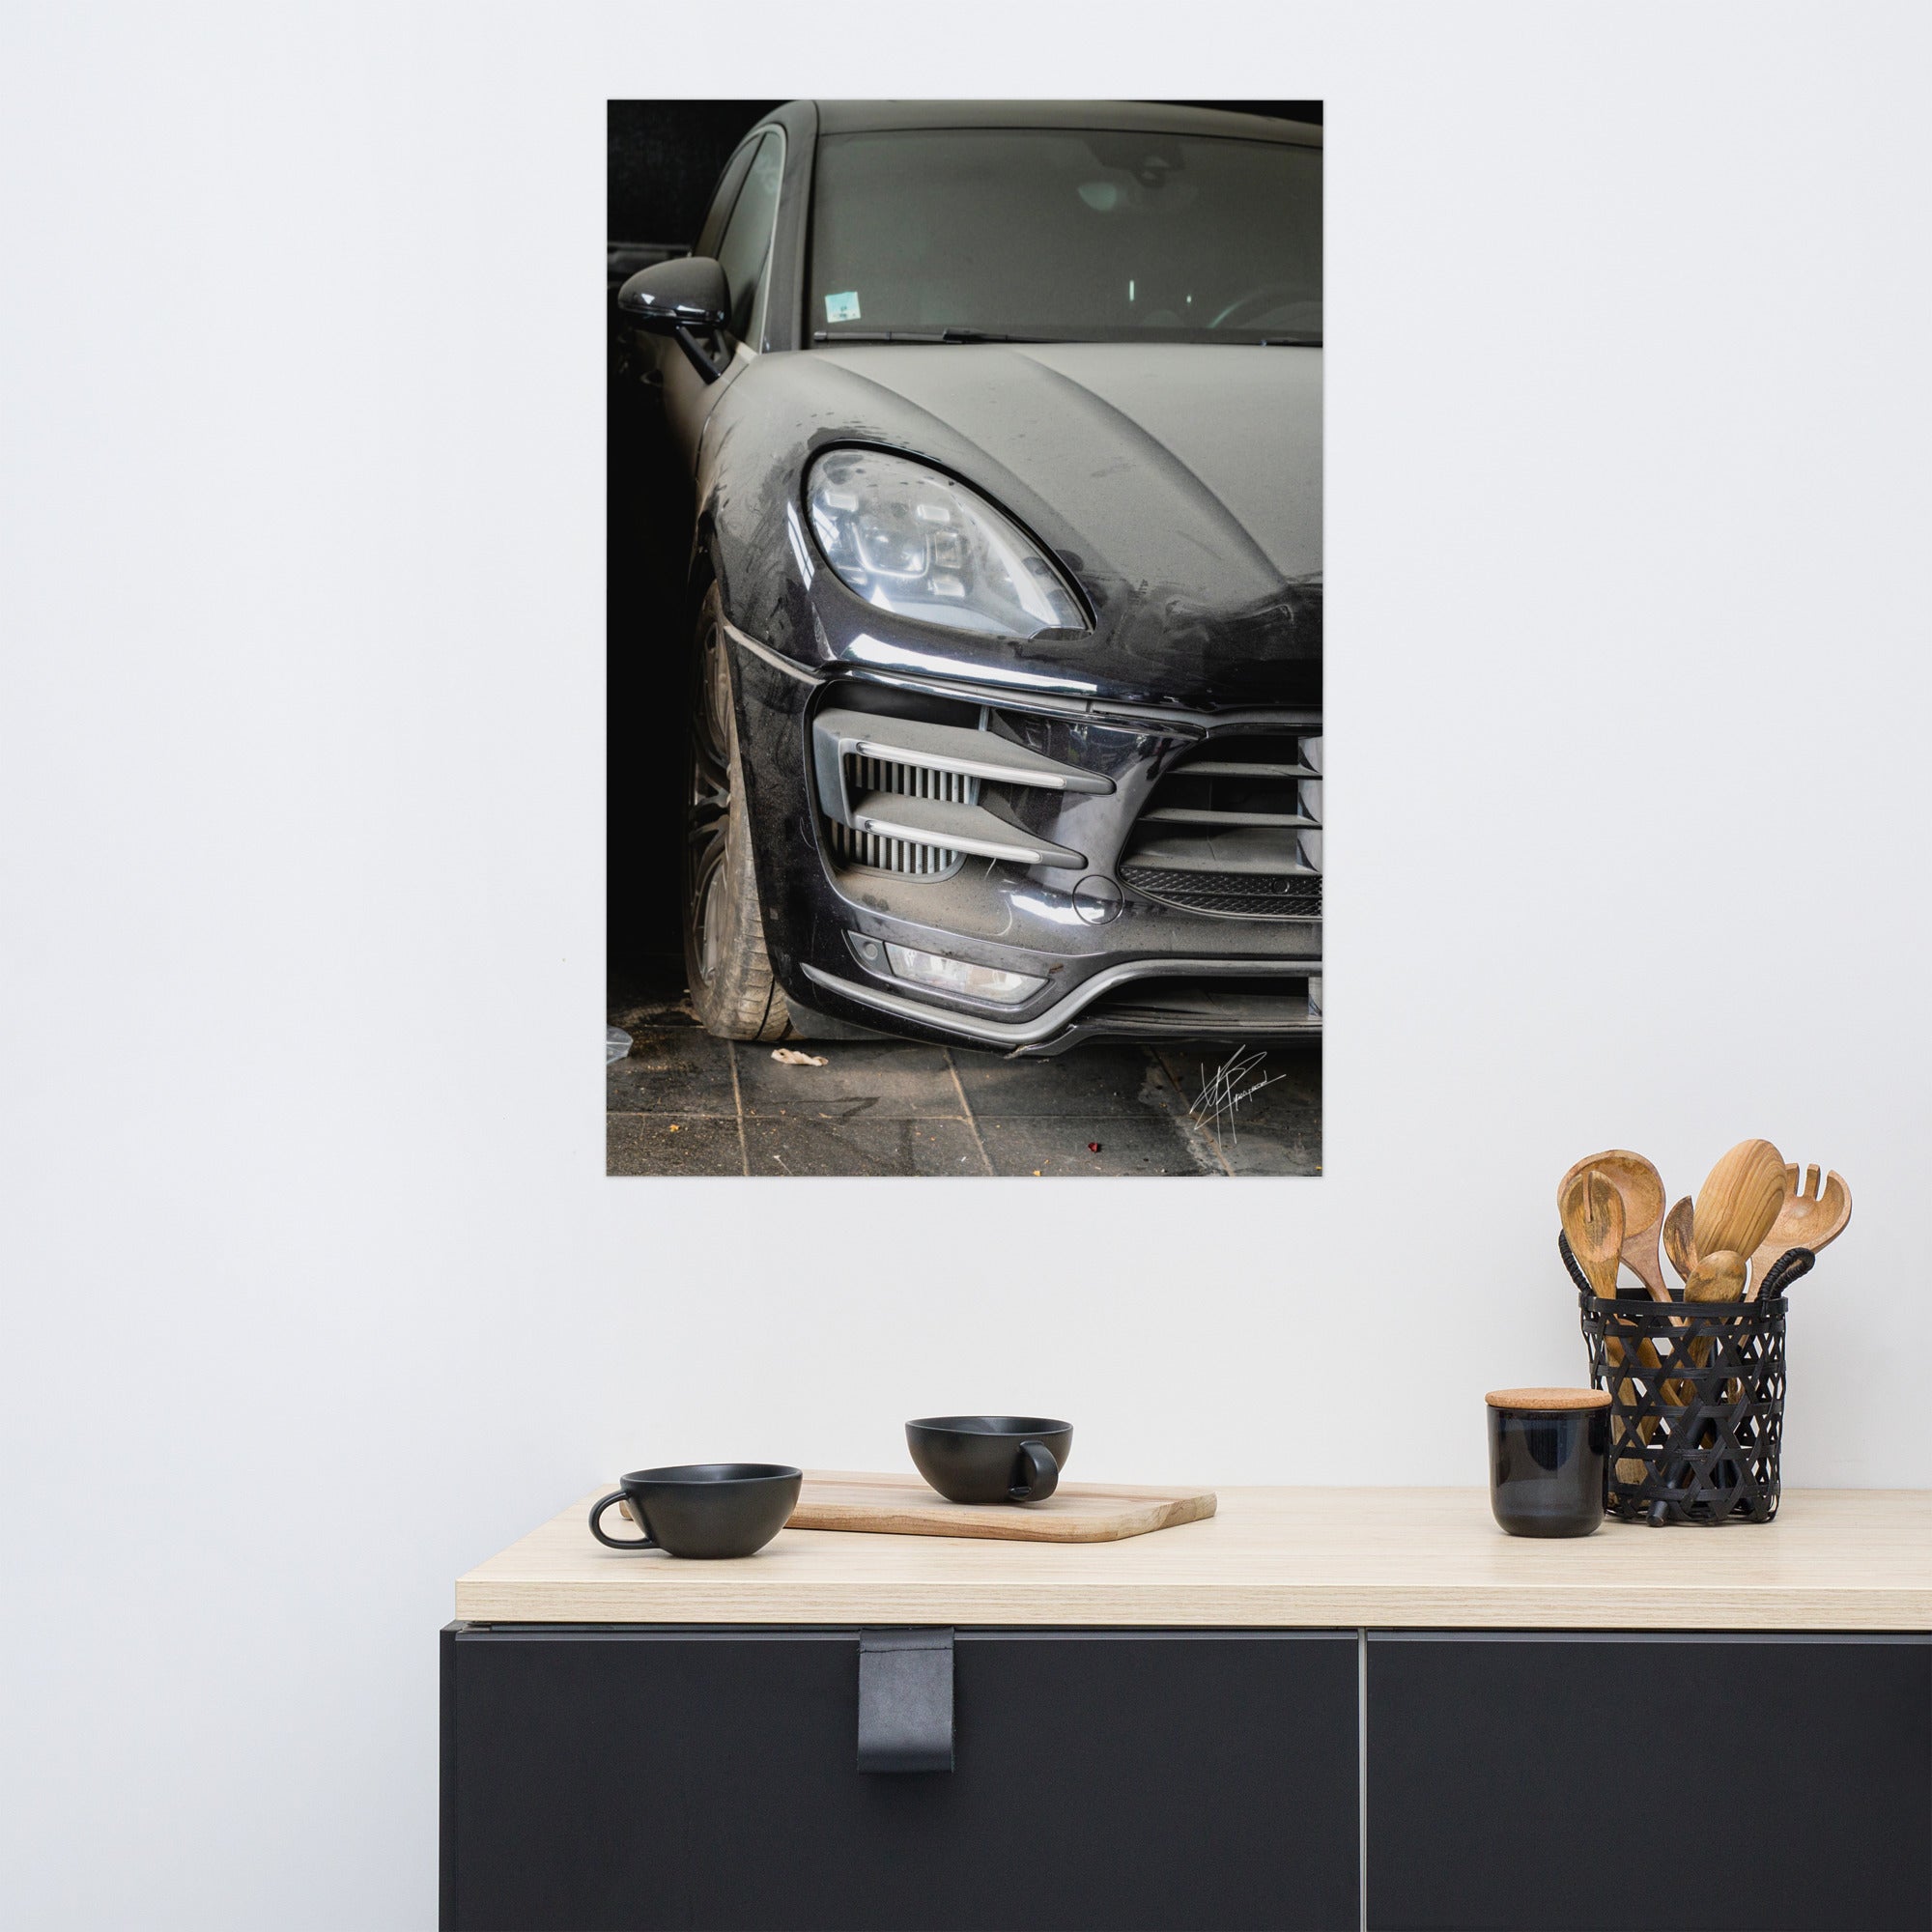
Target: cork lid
column 1549, row 1400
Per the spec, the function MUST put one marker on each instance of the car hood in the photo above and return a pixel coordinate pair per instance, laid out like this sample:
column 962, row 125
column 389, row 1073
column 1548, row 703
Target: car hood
column 1178, row 483
column 1188, row 463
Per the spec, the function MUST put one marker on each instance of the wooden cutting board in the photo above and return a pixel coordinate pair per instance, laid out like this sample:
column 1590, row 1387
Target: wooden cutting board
column 1075, row 1513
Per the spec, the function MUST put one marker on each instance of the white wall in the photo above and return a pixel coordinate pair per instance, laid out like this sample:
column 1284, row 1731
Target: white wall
column 315, row 1294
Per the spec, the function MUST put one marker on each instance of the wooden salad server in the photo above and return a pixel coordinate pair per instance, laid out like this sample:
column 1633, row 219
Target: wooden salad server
column 1641, row 1188
column 1810, row 1216
column 1592, row 1211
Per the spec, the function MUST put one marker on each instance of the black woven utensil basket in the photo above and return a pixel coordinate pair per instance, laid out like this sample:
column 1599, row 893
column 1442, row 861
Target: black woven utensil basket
column 1696, row 1402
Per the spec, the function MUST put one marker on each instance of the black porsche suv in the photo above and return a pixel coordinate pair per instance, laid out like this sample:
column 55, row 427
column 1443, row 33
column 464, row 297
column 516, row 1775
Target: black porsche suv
column 1003, row 426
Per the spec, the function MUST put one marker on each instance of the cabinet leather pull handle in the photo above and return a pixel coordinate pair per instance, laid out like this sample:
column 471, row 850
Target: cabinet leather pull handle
column 905, row 1700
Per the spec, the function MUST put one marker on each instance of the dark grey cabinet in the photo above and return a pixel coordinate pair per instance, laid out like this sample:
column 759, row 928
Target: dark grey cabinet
column 615, row 1777
column 1582, row 1782
column 609, row 1777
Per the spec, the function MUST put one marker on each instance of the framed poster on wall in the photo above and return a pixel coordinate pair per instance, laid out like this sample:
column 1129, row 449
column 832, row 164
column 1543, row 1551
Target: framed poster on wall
column 965, row 638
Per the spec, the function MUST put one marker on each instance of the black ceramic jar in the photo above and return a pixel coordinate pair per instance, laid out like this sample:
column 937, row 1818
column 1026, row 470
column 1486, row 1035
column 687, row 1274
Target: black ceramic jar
column 1548, row 1457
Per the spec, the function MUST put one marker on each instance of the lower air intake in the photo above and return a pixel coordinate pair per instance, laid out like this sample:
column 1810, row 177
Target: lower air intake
column 902, row 856
column 1229, row 895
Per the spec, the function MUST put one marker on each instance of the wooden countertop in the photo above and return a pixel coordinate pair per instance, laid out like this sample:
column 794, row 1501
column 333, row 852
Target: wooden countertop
column 1834, row 1559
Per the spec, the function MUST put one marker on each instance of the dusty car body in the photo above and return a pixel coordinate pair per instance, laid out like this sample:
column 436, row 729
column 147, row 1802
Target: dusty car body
column 946, row 829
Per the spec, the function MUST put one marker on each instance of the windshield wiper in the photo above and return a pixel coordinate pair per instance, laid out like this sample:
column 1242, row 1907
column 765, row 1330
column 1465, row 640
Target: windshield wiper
column 921, row 335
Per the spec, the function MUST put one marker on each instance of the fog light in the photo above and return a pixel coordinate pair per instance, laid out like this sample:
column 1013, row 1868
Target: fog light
column 955, row 976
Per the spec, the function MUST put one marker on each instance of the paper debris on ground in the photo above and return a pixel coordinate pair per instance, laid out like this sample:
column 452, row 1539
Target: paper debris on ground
column 790, row 1056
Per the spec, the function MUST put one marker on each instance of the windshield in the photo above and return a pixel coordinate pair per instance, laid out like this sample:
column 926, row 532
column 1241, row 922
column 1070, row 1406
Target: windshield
column 1057, row 235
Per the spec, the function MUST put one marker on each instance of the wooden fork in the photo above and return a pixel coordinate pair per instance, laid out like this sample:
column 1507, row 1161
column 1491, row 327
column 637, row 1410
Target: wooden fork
column 1808, row 1217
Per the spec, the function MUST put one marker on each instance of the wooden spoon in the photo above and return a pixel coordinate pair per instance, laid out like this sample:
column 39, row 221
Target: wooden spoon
column 1593, row 1219
column 1717, row 1277
column 1739, row 1200
column 1808, row 1217
column 1637, row 1181
column 1680, row 1240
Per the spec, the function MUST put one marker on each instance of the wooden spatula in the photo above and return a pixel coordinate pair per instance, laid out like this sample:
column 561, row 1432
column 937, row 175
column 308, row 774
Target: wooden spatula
column 1642, row 1189
column 1739, row 1200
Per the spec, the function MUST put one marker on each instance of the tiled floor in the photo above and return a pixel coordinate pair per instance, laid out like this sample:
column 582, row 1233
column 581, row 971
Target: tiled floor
column 684, row 1103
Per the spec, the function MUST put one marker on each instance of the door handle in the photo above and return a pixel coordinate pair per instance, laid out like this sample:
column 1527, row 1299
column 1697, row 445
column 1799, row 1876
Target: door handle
column 905, row 1700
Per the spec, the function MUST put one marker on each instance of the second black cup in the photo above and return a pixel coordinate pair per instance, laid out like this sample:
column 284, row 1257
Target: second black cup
column 990, row 1458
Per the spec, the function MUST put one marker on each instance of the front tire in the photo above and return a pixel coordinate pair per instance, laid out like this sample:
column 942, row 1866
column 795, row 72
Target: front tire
column 727, row 967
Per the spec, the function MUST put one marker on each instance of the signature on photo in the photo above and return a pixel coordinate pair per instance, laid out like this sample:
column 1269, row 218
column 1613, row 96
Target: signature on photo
column 1223, row 1092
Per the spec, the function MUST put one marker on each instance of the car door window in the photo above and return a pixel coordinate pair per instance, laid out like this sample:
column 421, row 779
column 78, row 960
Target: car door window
column 727, row 192
column 745, row 249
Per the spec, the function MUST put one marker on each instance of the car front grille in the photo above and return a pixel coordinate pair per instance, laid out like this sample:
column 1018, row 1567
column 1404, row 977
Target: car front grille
column 1234, row 829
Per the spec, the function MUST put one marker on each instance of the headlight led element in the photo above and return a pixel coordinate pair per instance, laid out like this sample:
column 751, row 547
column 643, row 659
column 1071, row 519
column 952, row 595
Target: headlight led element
column 914, row 542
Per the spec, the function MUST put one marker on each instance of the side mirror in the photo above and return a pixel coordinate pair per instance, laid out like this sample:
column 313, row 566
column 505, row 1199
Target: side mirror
column 676, row 299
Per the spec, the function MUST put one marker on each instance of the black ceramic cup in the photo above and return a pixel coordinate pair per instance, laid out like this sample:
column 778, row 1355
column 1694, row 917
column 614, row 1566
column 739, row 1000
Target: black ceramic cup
column 1549, row 1458
column 990, row 1458
column 702, row 1509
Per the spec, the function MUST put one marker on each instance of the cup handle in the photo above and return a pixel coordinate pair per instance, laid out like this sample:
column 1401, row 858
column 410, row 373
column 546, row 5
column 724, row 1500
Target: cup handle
column 597, row 1510
column 1041, row 1475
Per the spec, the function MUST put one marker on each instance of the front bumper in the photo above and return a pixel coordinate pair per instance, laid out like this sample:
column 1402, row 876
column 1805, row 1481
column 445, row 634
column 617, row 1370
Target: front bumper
column 1031, row 880
column 1076, row 1016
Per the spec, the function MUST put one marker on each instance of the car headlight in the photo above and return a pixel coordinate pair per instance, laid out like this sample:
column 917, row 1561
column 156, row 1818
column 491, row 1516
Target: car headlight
column 914, row 542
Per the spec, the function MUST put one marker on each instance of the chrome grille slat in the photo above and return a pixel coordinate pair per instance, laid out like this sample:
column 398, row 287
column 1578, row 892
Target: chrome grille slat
column 1181, row 814
column 1227, row 768
column 955, row 749
column 865, row 775
column 901, row 856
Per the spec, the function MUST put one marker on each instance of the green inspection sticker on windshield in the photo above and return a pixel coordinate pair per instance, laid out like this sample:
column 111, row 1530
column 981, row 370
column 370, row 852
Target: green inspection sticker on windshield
column 842, row 307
